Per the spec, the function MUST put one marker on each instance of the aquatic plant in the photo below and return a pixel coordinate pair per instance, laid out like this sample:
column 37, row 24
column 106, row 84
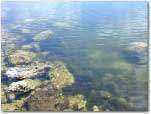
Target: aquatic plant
column 43, row 35
column 60, row 76
column 21, row 57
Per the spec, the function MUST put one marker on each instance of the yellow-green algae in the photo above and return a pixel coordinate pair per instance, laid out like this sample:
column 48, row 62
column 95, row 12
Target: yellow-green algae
column 78, row 102
column 60, row 76
column 21, row 57
column 95, row 108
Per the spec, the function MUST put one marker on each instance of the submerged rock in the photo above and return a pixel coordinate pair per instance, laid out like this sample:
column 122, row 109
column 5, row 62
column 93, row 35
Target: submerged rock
column 77, row 102
column 95, row 108
column 21, row 57
column 123, row 67
column 23, row 73
column 44, row 99
column 62, row 25
column 138, row 50
column 43, row 35
column 24, row 85
column 105, row 94
column 25, row 31
column 60, row 76
column 3, row 97
column 26, row 47
column 16, row 105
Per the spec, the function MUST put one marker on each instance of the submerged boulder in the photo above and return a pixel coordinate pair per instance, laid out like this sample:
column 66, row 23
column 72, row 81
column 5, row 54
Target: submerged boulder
column 43, row 99
column 43, row 35
column 60, row 76
column 95, row 108
column 24, row 85
column 105, row 94
column 137, row 50
column 23, row 73
column 21, row 57
column 77, row 102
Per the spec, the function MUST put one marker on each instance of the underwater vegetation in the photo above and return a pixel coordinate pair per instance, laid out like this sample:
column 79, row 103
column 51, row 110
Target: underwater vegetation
column 60, row 76
column 21, row 57
column 59, row 58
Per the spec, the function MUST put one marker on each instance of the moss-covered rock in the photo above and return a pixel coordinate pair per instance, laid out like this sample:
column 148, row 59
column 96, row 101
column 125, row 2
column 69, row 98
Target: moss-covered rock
column 105, row 94
column 3, row 98
column 44, row 99
column 14, row 106
column 60, row 76
column 124, row 102
column 24, row 85
column 26, row 47
column 43, row 35
column 77, row 102
column 95, row 108
column 21, row 57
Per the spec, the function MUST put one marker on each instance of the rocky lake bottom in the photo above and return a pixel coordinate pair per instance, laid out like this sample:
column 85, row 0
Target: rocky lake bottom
column 74, row 56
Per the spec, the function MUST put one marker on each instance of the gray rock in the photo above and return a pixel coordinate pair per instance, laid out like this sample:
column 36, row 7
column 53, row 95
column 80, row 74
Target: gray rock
column 23, row 73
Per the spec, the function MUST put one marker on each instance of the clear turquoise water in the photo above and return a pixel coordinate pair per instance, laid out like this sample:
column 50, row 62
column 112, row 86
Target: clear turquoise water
column 98, row 34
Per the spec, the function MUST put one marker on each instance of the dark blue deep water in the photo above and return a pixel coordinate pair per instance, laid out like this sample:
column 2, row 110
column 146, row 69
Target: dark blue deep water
column 91, row 38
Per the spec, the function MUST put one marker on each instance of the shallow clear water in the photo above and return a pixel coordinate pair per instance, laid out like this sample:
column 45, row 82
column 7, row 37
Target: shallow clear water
column 89, row 39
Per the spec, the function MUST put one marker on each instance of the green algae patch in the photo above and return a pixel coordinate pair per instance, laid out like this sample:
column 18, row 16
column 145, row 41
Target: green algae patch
column 77, row 102
column 14, row 106
column 21, row 57
column 60, row 76
column 95, row 108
